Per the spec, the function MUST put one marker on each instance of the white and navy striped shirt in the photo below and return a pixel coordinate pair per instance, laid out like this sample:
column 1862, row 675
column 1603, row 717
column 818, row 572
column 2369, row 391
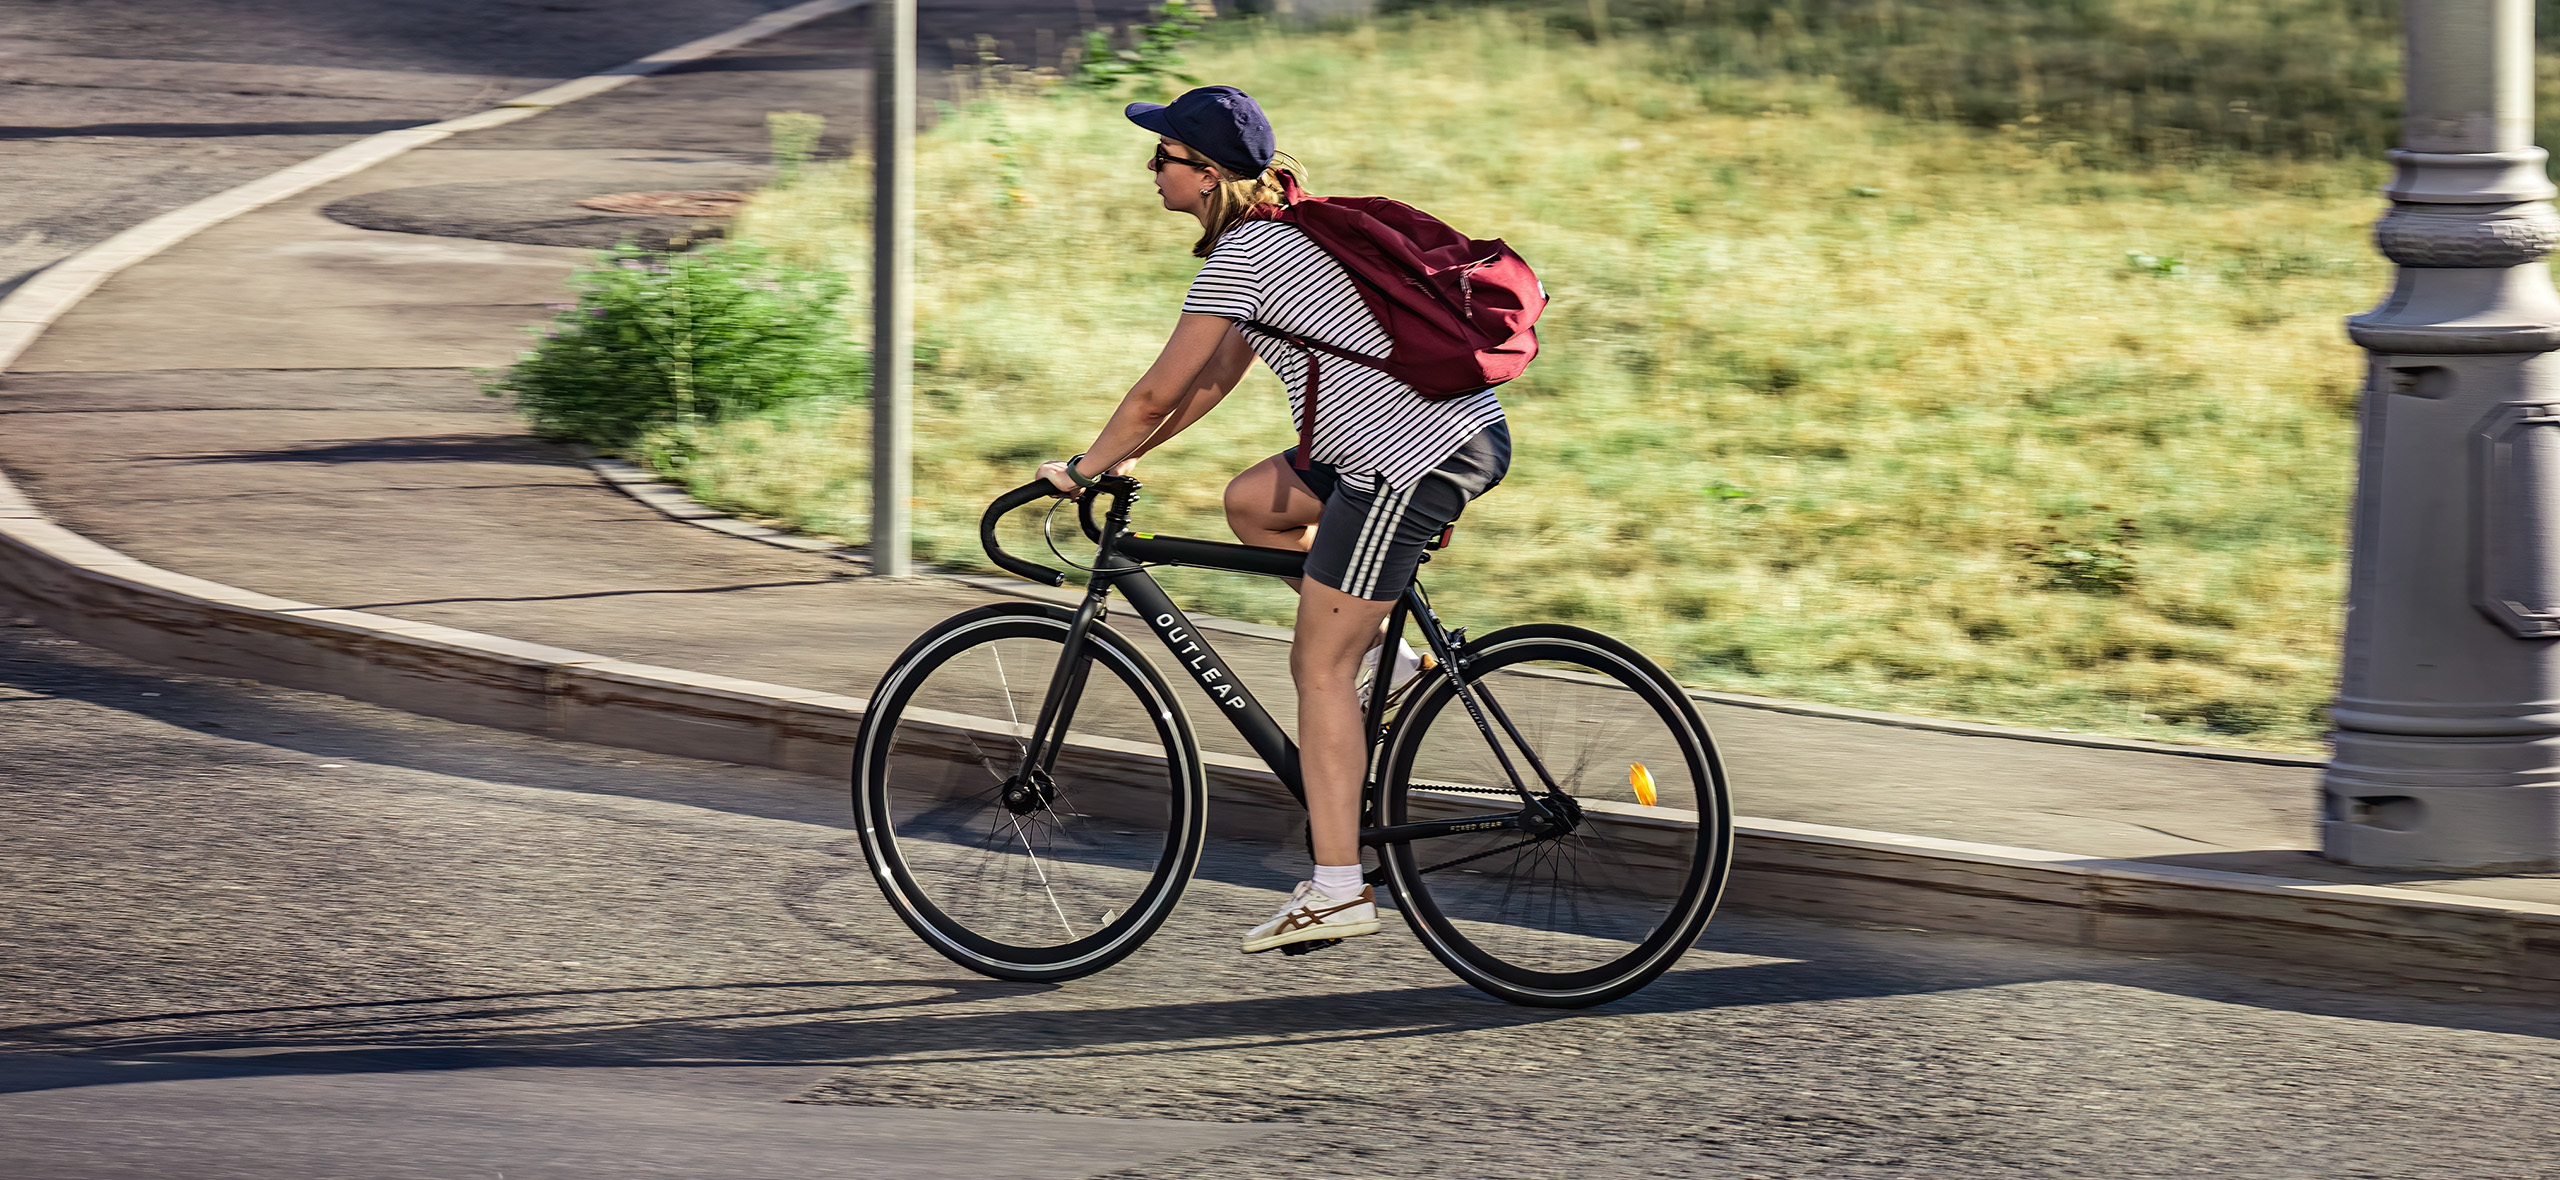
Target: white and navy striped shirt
column 1367, row 423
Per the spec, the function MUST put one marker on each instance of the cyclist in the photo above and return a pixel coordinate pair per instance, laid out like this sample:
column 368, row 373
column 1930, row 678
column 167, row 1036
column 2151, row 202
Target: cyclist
column 1387, row 470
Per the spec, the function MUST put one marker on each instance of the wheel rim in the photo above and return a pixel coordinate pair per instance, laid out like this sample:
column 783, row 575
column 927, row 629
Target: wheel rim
column 1619, row 895
column 1045, row 872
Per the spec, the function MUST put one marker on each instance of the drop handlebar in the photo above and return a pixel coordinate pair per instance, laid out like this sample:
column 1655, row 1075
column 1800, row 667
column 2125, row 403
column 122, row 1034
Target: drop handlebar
column 1037, row 489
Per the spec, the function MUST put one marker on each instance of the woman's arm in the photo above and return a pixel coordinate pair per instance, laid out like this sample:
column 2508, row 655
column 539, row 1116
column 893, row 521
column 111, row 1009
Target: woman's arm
column 1204, row 359
column 1217, row 379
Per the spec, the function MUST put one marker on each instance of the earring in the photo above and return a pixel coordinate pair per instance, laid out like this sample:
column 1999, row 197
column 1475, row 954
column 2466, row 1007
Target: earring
column 1206, row 191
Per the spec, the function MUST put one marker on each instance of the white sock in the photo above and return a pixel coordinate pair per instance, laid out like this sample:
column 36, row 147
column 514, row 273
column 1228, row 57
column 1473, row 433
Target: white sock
column 1339, row 882
column 1408, row 662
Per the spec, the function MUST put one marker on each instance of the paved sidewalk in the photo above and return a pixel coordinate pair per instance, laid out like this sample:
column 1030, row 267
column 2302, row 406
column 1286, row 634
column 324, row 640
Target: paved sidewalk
column 285, row 404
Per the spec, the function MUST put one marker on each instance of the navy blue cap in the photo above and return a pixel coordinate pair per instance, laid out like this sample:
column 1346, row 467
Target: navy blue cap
column 1220, row 122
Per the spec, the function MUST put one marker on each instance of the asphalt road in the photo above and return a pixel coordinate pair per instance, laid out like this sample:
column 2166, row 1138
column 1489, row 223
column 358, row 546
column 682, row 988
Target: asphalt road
column 249, row 931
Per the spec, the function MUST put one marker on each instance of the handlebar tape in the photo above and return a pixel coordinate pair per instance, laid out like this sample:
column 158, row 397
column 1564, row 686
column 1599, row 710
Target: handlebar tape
column 1035, row 490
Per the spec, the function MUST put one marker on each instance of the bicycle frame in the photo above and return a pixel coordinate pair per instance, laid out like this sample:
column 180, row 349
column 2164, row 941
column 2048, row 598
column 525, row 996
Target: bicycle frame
column 1121, row 563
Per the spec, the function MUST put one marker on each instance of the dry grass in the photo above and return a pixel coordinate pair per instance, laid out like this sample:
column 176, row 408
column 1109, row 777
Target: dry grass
column 1813, row 372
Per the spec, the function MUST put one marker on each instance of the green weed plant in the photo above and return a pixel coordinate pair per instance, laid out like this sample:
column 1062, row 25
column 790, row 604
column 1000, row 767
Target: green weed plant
column 794, row 136
column 660, row 345
column 1152, row 60
column 1836, row 403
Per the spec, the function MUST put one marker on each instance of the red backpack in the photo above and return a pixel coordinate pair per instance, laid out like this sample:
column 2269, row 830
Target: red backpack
column 1460, row 311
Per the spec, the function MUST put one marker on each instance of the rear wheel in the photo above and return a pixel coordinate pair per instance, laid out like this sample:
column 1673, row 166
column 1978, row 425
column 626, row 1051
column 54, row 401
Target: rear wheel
column 1050, row 875
column 1588, row 915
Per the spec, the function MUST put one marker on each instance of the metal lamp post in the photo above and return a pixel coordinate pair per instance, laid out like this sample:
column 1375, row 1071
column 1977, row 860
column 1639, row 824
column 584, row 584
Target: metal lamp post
column 2448, row 712
column 893, row 319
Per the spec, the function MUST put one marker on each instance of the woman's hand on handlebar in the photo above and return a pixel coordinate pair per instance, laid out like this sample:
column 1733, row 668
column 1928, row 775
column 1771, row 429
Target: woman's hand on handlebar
column 1055, row 471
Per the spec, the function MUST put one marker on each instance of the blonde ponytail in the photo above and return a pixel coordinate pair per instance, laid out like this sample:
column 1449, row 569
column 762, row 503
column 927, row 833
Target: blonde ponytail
column 1234, row 200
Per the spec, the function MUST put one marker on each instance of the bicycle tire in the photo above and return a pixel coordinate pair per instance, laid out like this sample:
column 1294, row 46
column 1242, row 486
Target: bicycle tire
column 1106, row 859
column 1573, row 920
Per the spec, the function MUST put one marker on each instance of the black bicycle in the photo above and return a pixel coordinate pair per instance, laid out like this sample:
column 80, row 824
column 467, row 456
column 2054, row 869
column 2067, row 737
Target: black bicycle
column 1547, row 808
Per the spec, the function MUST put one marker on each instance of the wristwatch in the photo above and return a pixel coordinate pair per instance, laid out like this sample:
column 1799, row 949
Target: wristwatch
column 1081, row 479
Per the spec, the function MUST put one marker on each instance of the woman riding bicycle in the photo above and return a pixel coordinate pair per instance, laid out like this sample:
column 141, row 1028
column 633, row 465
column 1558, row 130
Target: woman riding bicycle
column 1387, row 470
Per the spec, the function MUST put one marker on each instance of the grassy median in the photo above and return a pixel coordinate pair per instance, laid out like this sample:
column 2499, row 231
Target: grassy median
column 1836, row 403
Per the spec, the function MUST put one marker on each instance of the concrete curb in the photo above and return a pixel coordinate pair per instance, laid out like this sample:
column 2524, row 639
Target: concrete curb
column 103, row 597
column 2374, row 932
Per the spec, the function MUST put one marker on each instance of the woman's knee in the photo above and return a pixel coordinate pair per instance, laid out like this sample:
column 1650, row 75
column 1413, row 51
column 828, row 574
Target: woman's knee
column 1259, row 504
column 1334, row 630
column 1240, row 504
column 1329, row 672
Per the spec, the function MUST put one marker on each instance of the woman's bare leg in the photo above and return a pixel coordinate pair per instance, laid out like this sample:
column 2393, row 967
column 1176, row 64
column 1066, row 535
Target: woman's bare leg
column 1334, row 630
column 1270, row 506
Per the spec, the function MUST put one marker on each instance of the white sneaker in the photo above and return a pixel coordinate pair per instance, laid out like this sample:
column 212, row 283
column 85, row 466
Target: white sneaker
column 1409, row 664
column 1311, row 916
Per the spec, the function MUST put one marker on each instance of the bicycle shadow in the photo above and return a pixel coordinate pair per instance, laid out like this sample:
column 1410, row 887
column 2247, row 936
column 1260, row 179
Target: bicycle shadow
column 562, row 1029
column 924, row 1021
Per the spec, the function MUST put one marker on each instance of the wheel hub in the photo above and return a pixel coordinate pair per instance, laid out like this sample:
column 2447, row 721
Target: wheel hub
column 1027, row 793
column 1564, row 815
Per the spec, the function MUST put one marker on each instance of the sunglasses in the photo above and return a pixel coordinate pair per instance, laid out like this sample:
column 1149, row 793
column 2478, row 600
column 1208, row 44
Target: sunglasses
column 1163, row 157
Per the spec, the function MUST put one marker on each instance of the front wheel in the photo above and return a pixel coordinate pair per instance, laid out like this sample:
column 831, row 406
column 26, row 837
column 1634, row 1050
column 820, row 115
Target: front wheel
column 1032, row 868
column 1583, row 916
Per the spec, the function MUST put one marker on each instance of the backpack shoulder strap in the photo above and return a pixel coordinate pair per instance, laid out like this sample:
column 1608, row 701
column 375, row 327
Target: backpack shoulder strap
column 1307, row 348
column 1292, row 211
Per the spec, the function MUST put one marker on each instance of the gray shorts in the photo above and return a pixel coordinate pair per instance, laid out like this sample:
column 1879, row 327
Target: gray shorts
column 1370, row 538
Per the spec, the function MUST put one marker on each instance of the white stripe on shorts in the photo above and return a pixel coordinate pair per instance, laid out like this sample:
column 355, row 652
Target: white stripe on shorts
column 1377, row 539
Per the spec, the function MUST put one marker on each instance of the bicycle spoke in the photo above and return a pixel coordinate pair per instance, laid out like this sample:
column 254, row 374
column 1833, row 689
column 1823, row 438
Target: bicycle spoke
column 1052, row 894
column 985, row 759
column 1451, row 864
column 1004, row 686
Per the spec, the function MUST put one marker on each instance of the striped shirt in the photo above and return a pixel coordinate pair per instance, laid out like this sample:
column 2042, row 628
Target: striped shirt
column 1368, row 424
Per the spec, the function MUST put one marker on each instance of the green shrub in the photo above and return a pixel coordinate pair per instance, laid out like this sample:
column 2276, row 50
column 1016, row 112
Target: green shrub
column 660, row 341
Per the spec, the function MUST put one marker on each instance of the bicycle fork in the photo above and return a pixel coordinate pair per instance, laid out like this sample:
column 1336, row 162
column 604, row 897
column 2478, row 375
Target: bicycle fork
column 1034, row 784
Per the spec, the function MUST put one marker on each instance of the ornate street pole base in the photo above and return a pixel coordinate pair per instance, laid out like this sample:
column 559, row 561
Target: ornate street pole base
column 2431, row 804
column 2448, row 714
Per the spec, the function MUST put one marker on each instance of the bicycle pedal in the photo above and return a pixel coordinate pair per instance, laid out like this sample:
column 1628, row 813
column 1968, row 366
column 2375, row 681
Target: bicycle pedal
column 1299, row 948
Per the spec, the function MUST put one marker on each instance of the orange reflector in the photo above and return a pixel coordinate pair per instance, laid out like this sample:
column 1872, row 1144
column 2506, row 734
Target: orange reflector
column 1642, row 780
